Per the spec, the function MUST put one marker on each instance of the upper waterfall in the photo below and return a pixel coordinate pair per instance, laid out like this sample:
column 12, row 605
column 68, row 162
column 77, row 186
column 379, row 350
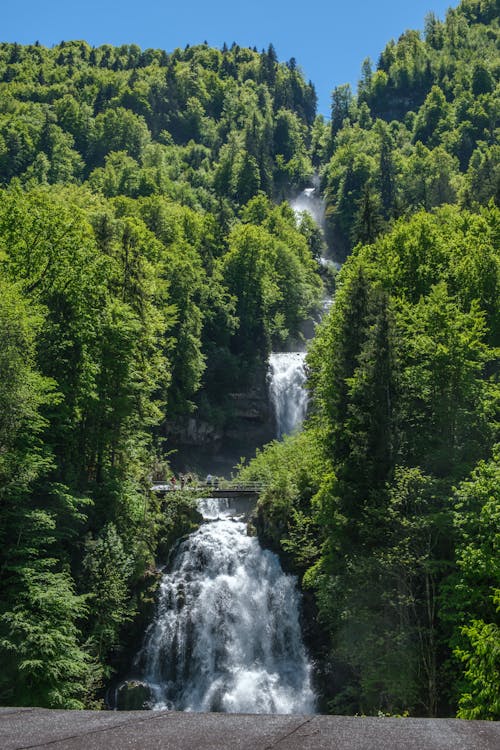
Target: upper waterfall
column 286, row 374
column 310, row 201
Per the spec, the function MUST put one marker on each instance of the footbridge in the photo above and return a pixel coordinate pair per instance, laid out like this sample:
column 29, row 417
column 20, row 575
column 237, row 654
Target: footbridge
column 215, row 488
column 242, row 497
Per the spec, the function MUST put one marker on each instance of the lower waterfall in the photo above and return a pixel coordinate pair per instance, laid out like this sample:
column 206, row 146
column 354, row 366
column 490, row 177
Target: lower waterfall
column 226, row 635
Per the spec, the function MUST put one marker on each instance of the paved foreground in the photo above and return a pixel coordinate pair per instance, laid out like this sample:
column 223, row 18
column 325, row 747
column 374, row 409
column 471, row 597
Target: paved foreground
column 158, row 730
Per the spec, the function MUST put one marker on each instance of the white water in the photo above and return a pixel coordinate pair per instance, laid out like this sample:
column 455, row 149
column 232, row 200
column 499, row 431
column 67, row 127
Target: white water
column 309, row 201
column 214, row 508
column 329, row 263
column 226, row 635
column 288, row 395
column 286, row 375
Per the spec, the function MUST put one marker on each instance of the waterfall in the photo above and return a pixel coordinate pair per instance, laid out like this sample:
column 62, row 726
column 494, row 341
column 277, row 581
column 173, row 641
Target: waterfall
column 226, row 635
column 286, row 374
column 328, row 263
column 288, row 396
column 309, row 201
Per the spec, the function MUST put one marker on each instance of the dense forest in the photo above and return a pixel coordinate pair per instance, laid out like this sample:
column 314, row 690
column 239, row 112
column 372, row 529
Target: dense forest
column 150, row 261
column 387, row 504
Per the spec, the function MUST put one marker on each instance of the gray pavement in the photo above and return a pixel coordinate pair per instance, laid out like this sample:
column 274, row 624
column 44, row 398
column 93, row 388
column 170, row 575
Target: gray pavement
column 23, row 728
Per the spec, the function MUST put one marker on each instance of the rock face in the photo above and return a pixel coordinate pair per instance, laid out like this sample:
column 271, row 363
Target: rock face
column 193, row 431
column 251, row 415
column 247, row 413
column 242, row 421
column 133, row 695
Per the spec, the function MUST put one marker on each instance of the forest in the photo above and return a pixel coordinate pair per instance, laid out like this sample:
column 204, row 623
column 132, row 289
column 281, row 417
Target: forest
column 150, row 262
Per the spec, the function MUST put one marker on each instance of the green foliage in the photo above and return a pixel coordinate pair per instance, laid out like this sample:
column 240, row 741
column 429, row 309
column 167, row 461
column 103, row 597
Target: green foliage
column 481, row 658
column 179, row 518
column 424, row 120
column 270, row 271
column 404, row 404
column 291, row 470
column 69, row 110
column 401, row 390
column 43, row 661
column 123, row 231
column 145, row 271
column 107, row 571
column 471, row 594
column 23, row 392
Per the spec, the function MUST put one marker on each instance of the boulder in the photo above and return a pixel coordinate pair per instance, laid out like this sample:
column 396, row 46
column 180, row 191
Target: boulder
column 133, row 695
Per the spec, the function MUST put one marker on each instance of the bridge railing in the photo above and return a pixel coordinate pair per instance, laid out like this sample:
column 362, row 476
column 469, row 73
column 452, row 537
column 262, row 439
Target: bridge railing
column 226, row 484
column 215, row 484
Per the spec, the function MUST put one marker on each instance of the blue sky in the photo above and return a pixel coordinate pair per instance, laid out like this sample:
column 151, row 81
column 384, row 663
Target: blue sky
column 328, row 38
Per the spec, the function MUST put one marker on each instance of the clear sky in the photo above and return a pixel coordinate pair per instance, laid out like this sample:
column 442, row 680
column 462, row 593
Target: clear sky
column 328, row 38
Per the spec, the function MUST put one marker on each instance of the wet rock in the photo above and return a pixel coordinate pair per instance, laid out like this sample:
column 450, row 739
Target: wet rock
column 133, row 695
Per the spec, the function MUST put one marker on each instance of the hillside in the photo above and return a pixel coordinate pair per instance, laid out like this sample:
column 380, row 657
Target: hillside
column 145, row 274
column 421, row 132
column 387, row 503
column 149, row 264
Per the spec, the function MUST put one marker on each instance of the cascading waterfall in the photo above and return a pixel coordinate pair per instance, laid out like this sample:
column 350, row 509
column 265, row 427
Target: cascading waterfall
column 288, row 396
column 226, row 635
column 286, row 375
